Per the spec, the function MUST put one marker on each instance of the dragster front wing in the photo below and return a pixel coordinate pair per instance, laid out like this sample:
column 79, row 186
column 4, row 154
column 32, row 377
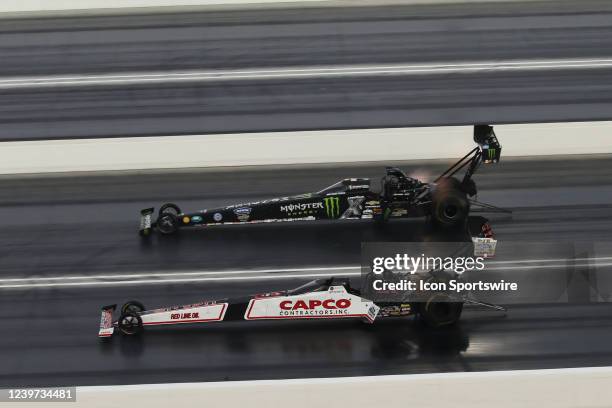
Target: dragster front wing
column 107, row 326
column 146, row 222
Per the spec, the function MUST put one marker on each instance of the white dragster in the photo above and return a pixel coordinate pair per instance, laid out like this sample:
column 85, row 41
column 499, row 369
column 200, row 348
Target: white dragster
column 331, row 298
column 319, row 299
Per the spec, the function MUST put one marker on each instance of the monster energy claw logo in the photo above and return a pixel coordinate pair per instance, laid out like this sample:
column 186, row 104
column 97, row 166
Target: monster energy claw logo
column 332, row 207
column 491, row 154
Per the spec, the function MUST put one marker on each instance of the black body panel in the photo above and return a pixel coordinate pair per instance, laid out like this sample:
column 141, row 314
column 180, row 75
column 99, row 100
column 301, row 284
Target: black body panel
column 335, row 202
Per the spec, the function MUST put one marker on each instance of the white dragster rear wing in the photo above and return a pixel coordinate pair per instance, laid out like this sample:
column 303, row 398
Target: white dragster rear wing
column 483, row 238
column 484, row 247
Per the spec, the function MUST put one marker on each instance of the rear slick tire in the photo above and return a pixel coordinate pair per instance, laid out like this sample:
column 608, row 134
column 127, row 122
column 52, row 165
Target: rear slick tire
column 450, row 205
column 439, row 311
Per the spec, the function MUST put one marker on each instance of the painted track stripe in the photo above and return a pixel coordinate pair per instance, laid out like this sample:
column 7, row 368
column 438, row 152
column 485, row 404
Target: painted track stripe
column 124, row 276
column 185, row 273
column 252, row 275
column 165, row 281
column 135, row 78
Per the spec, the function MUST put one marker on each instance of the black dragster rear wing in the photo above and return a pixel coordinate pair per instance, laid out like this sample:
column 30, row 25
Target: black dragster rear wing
column 488, row 143
column 487, row 151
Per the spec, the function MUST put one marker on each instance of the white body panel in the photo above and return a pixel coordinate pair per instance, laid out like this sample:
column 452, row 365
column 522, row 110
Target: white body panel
column 195, row 314
column 333, row 303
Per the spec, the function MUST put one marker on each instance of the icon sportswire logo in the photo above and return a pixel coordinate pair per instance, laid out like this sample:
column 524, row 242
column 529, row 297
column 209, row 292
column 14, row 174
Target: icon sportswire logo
column 332, row 207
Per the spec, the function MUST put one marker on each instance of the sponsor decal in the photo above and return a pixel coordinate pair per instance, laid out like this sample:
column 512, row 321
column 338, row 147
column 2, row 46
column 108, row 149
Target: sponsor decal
column 395, row 310
column 484, row 247
column 180, row 316
column 243, row 213
column 354, row 209
column 145, row 221
column 399, row 212
column 107, row 320
column 196, row 218
column 332, row 304
column 301, row 207
column 267, row 295
column 332, row 207
column 271, row 200
column 314, row 303
column 314, row 307
column 491, row 153
column 217, row 217
column 186, row 220
column 372, row 203
column 208, row 311
column 191, row 306
column 106, row 324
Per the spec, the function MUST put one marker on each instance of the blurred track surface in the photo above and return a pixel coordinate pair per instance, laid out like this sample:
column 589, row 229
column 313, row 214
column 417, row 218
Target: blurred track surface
column 296, row 38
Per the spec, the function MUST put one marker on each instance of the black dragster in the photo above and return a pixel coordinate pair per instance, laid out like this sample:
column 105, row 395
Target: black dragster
column 445, row 201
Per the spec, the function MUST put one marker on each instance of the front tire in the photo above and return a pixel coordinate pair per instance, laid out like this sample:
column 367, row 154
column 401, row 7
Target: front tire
column 167, row 224
column 170, row 208
column 168, row 219
column 130, row 324
column 132, row 306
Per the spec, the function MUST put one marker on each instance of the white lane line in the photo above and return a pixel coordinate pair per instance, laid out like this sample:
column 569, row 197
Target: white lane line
column 134, row 78
column 123, row 276
column 527, row 267
column 550, row 260
column 251, row 275
column 182, row 273
column 166, row 281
